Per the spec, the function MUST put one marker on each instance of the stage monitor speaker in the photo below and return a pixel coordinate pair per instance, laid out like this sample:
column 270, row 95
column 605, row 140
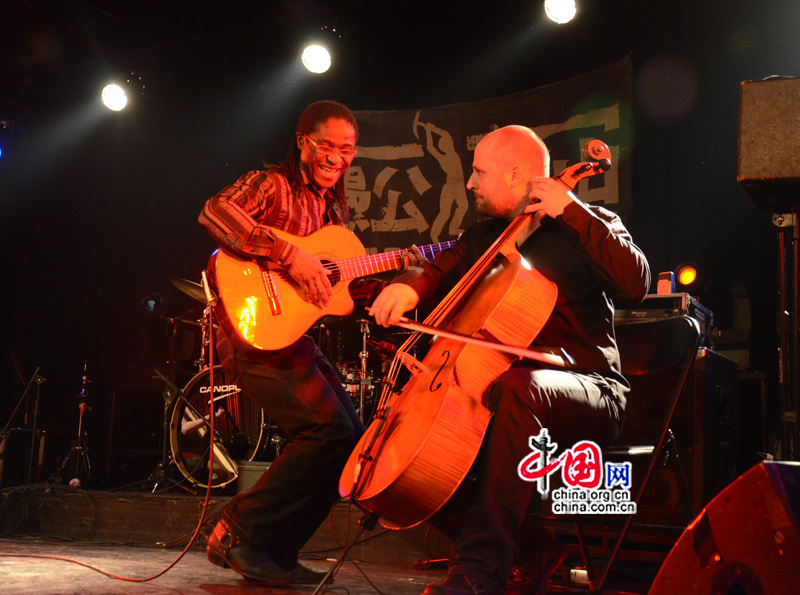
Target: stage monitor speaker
column 745, row 541
column 769, row 142
column 17, row 467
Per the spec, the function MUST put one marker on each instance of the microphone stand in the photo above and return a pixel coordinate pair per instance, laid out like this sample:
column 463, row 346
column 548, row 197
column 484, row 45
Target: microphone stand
column 37, row 380
column 77, row 462
column 788, row 225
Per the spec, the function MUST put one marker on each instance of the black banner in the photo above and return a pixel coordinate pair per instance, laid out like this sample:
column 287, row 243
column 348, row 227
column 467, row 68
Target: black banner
column 408, row 183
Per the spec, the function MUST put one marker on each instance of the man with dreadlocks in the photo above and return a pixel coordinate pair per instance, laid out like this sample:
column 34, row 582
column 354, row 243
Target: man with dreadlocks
column 262, row 530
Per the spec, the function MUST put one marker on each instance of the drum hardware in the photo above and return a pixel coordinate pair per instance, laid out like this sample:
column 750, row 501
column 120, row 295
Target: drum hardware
column 205, row 339
column 277, row 441
column 339, row 350
column 190, row 288
column 234, row 439
column 160, row 476
column 239, row 422
column 364, row 354
column 323, row 338
column 77, row 462
column 197, row 292
column 189, row 431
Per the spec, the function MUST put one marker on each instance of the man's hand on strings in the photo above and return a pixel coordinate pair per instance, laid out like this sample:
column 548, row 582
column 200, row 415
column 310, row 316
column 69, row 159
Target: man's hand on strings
column 312, row 278
column 413, row 257
column 549, row 197
column 395, row 300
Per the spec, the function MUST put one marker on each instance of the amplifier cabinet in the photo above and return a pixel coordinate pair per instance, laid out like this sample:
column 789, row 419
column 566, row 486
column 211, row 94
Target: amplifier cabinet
column 769, row 142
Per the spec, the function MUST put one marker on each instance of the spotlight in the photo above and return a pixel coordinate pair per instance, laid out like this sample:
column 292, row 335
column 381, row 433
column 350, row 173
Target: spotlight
column 153, row 306
column 686, row 274
column 560, row 11
column 690, row 278
column 114, row 97
column 316, row 59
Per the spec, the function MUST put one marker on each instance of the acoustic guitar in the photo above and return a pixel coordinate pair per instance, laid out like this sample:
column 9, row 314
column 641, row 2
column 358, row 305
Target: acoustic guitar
column 264, row 306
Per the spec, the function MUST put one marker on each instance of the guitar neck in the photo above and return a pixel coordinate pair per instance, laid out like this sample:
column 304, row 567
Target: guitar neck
column 363, row 266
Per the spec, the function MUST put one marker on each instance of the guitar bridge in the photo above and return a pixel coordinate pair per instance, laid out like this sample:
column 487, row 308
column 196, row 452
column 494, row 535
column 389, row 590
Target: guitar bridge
column 272, row 293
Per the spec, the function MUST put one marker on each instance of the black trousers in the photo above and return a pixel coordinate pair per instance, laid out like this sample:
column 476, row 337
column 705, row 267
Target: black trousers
column 572, row 407
column 300, row 390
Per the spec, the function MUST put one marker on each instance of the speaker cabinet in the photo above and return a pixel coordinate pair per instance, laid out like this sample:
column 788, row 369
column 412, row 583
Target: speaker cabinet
column 706, row 430
column 17, row 465
column 745, row 541
column 769, row 142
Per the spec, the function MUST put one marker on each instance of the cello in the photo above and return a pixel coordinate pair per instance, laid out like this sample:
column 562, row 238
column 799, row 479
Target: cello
column 425, row 437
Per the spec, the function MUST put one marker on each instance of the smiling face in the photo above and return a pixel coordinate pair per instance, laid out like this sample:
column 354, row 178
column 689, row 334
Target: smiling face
column 331, row 136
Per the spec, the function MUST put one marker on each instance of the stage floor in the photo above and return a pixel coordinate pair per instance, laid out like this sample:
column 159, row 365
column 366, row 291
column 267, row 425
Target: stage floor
column 29, row 566
column 57, row 540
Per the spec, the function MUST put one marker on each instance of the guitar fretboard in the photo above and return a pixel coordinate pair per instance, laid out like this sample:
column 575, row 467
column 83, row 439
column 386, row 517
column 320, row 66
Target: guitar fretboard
column 362, row 266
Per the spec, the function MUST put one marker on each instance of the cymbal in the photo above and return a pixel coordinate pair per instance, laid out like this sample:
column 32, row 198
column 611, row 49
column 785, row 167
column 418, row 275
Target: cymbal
column 190, row 288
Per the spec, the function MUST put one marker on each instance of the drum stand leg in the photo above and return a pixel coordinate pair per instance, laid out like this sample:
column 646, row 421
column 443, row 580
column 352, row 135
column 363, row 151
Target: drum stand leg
column 160, row 478
column 365, row 378
column 77, row 464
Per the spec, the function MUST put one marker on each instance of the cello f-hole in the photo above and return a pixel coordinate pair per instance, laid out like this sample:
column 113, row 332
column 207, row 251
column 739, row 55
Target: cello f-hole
column 446, row 355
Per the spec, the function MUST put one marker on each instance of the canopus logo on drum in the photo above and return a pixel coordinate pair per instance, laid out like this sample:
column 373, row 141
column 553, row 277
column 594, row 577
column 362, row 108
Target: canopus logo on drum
column 222, row 388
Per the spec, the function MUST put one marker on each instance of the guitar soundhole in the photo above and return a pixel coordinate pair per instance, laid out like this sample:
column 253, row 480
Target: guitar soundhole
column 335, row 275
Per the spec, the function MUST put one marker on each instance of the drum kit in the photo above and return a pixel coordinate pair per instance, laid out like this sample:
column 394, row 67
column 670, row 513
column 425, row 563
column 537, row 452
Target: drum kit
column 242, row 431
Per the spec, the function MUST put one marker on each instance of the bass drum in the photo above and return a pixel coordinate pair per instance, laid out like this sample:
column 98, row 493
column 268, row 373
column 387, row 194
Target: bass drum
column 239, row 429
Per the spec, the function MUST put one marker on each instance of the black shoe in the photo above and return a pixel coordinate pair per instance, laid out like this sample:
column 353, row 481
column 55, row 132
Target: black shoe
column 227, row 550
column 531, row 578
column 455, row 584
column 304, row 575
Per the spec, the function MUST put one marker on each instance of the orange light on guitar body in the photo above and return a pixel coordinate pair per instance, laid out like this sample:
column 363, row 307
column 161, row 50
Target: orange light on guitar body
column 247, row 317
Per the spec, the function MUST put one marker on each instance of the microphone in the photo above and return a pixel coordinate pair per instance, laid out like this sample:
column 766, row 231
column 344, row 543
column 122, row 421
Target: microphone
column 382, row 347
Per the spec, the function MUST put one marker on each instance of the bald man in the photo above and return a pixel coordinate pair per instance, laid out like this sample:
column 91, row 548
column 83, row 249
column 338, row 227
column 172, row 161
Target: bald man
column 587, row 252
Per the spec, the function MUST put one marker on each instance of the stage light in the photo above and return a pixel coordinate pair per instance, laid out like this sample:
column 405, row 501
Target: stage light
column 560, row 11
column 686, row 274
column 692, row 279
column 114, row 97
column 316, row 59
column 153, row 306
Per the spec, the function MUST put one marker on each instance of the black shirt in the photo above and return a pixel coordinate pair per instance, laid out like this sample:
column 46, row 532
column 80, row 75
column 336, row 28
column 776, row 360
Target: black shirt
column 587, row 253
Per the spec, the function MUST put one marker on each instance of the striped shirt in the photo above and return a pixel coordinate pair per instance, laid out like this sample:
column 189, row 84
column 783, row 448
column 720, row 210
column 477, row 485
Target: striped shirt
column 239, row 217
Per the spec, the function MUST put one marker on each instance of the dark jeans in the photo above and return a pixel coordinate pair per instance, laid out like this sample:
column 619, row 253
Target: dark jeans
column 572, row 407
column 300, row 390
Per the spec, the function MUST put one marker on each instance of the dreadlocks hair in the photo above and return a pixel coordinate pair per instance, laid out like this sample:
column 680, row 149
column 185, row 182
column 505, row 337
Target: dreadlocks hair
column 314, row 115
